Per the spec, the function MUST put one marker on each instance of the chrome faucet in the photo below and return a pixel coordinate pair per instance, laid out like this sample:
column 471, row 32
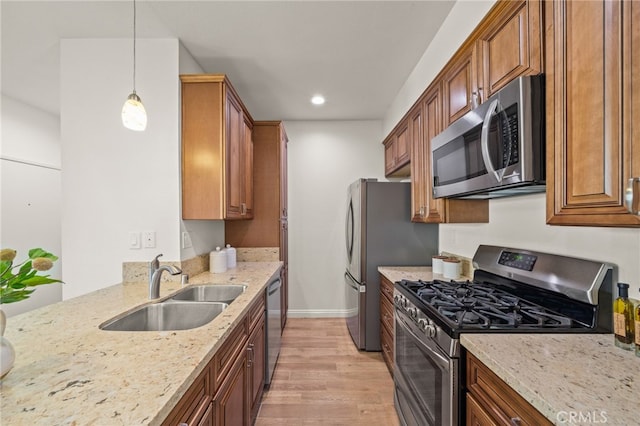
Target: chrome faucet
column 155, row 274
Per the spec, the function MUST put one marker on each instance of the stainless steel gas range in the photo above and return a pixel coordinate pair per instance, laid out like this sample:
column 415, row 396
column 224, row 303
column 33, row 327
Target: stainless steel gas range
column 513, row 291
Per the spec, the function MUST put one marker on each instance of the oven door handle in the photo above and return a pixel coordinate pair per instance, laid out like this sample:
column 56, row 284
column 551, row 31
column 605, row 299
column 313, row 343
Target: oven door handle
column 438, row 358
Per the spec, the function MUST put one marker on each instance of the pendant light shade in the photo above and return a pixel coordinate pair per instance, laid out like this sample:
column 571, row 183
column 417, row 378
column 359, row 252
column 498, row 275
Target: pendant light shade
column 134, row 116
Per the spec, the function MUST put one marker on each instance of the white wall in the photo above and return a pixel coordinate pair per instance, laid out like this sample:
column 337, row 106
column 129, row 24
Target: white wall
column 519, row 221
column 323, row 159
column 116, row 181
column 30, row 191
column 461, row 21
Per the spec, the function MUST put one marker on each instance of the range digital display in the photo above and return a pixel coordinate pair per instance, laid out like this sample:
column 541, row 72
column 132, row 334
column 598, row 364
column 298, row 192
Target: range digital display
column 518, row 260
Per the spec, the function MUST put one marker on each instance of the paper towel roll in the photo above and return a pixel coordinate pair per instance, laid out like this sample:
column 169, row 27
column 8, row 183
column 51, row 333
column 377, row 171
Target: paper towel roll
column 218, row 261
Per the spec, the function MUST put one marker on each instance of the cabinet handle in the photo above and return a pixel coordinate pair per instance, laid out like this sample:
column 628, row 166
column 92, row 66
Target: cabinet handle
column 474, row 100
column 250, row 359
column 243, row 209
column 632, row 195
column 516, row 421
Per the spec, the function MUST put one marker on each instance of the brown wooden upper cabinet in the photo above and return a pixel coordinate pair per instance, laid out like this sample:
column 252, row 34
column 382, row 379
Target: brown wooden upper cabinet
column 426, row 122
column 509, row 45
column 397, row 151
column 217, row 150
column 460, row 87
column 593, row 100
column 504, row 46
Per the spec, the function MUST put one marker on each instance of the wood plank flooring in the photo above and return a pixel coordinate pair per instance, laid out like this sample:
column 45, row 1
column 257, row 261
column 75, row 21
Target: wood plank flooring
column 322, row 379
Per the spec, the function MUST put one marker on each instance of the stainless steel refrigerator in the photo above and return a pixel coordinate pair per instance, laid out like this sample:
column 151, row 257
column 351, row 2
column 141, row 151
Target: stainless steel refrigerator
column 379, row 232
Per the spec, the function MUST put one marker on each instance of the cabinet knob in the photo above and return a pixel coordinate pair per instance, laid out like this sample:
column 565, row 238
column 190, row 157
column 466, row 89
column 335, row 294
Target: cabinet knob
column 632, row 196
column 516, row 421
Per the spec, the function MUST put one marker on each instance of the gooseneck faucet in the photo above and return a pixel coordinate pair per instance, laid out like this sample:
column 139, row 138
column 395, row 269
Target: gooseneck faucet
column 155, row 274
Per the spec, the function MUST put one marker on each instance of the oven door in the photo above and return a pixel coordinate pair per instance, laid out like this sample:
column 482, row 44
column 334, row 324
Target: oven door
column 426, row 387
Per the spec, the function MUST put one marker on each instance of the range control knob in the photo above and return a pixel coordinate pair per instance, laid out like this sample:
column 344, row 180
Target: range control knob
column 422, row 324
column 413, row 312
column 430, row 330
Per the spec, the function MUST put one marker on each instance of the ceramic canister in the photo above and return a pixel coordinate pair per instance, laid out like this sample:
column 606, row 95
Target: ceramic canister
column 437, row 266
column 218, row 261
column 452, row 268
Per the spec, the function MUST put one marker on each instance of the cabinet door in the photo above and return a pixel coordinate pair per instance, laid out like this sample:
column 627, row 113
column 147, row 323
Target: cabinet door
column 284, row 141
column 511, row 45
column 234, row 160
column 592, row 101
column 432, row 126
column 231, row 402
column 418, row 166
column 397, row 151
column 256, row 363
column 246, row 210
column 459, row 85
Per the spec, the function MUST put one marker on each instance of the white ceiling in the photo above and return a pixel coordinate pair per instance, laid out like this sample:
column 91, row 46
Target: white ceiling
column 276, row 53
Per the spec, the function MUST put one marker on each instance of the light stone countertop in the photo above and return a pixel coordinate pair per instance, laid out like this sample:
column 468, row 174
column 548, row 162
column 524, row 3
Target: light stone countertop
column 562, row 375
column 414, row 273
column 69, row 372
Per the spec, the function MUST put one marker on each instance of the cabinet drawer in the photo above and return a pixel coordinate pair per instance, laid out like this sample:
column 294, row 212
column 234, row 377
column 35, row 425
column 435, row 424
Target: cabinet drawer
column 228, row 352
column 498, row 399
column 386, row 288
column 191, row 409
column 256, row 312
column 476, row 416
column 386, row 313
column 386, row 341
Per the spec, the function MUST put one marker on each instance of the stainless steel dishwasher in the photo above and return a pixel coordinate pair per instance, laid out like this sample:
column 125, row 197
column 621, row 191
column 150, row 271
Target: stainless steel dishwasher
column 274, row 328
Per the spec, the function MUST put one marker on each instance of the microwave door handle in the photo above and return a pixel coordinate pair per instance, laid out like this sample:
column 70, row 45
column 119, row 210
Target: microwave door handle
column 484, row 141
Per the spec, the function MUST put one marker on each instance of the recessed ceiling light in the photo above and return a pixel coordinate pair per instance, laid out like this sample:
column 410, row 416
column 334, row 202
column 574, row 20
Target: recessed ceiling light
column 317, row 100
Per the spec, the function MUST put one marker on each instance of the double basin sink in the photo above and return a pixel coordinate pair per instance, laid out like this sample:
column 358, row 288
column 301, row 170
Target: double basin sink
column 191, row 307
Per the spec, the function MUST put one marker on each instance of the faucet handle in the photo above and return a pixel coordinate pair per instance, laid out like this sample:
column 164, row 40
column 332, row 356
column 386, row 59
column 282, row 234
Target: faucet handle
column 155, row 263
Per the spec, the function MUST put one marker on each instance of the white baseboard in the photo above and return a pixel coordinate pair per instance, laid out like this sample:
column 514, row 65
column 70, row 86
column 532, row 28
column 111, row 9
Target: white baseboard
column 317, row 313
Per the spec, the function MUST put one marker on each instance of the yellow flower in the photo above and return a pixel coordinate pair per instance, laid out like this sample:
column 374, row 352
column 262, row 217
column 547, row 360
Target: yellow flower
column 41, row 264
column 8, row 254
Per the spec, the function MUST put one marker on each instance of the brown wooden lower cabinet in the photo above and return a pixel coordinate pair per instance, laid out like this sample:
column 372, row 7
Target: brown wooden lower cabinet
column 229, row 390
column 386, row 322
column 491, row 401
column 231, row 400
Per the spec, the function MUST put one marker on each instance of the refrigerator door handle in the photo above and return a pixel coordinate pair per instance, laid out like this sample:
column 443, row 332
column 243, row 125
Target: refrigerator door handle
column 349, row 231
column 354, row 285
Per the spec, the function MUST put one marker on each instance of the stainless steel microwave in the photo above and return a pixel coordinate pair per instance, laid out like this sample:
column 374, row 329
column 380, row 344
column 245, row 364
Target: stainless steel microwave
column 496, row 149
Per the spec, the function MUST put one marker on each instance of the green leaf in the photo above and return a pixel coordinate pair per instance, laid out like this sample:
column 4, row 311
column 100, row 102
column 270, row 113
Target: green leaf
column 25, row 268
column 38, row 252
column 38, row 280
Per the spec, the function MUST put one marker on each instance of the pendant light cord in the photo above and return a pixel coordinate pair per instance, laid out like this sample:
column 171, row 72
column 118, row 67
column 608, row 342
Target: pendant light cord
column 134, row 46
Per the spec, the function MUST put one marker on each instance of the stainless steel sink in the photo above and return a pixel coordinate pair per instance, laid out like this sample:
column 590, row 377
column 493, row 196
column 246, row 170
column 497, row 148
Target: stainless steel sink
column 168, row 315
column 210, row 293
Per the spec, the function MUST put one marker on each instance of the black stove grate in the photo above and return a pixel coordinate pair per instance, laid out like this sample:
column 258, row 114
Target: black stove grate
column 473, row 305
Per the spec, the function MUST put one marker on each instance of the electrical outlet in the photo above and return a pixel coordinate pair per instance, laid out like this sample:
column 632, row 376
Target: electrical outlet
column 134, row 240
column 186, row 240
column 149, row 239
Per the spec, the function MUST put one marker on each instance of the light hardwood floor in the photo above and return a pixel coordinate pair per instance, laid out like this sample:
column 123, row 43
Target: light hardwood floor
column 322, row 379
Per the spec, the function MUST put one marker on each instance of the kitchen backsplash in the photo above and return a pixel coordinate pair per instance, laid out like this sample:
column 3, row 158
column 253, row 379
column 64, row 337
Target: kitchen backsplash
column 139, row 271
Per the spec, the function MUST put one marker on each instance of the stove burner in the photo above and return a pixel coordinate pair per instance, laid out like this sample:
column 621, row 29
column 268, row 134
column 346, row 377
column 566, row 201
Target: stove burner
column 467, row 304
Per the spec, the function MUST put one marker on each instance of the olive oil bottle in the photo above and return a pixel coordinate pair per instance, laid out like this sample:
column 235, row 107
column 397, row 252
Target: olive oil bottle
column 623, row 318
column 637, row 329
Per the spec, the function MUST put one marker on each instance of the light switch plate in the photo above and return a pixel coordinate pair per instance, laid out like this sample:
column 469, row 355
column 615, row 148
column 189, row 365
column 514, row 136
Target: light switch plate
column 186, row 240
column 134, row 240
column 149, row 239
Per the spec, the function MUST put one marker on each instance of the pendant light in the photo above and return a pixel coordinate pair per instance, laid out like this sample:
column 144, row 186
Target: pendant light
column 134, row 116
